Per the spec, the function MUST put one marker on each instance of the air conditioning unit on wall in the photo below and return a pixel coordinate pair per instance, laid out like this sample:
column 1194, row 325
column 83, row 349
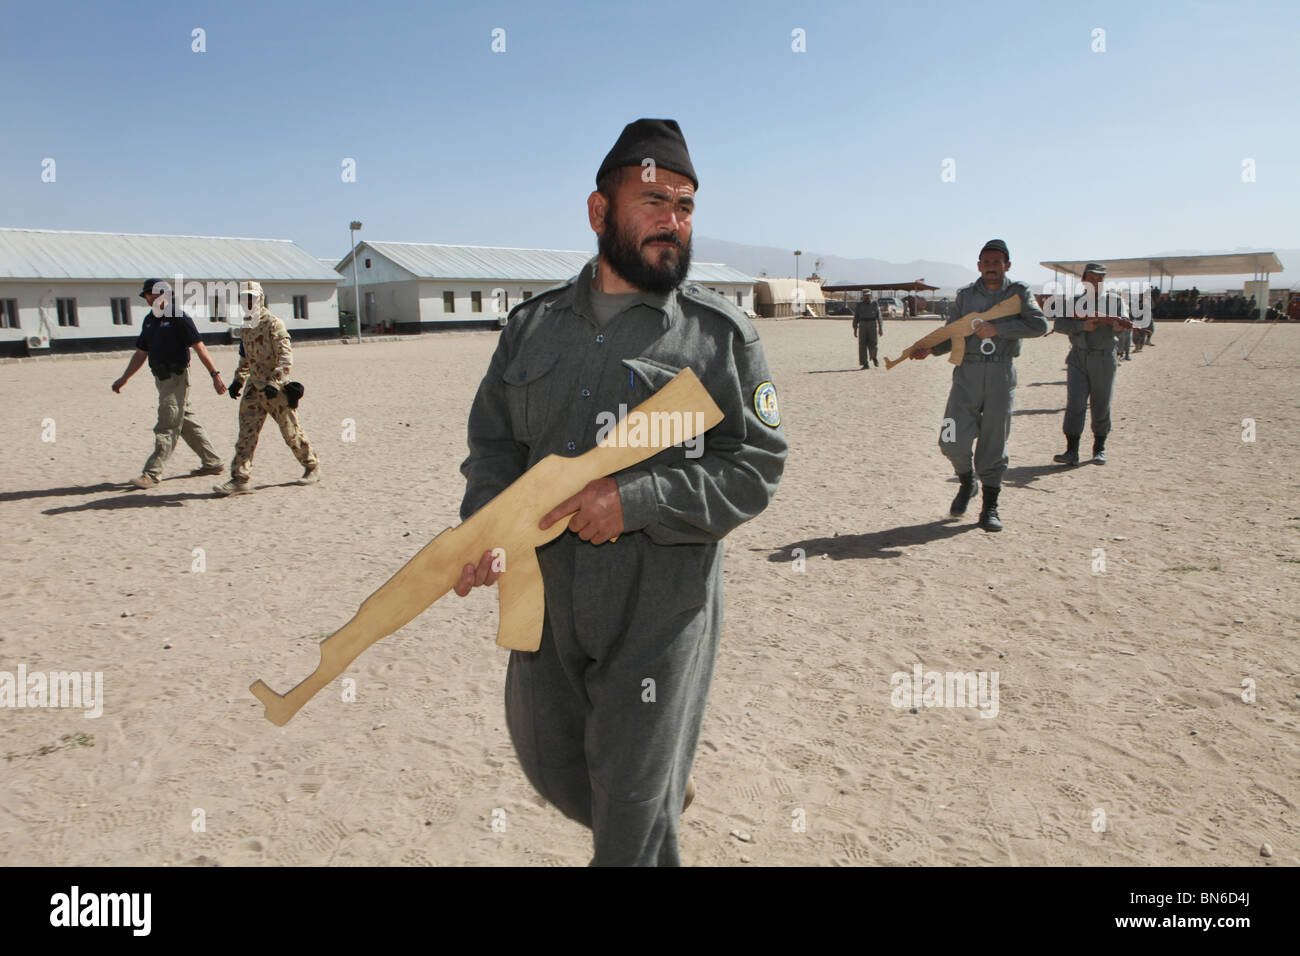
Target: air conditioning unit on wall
column 37, row 342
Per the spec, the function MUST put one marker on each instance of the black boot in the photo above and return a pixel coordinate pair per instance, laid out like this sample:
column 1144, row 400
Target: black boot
column 989, row 515
column 1099, row 449
column 1071, row 456
column 968, row 486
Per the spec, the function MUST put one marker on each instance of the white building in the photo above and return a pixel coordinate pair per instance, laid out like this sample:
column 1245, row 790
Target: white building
column 421, row 286
column 80, row 291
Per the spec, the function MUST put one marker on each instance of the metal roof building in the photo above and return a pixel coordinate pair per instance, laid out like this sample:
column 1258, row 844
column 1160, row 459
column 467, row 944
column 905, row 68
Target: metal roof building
column 412, row 286
column 54, row 254
column 80, row 290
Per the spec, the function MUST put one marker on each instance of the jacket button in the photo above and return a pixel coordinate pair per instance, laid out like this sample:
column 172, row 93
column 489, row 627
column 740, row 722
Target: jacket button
column 600, row 340
column 586, row 393
column 572, row 445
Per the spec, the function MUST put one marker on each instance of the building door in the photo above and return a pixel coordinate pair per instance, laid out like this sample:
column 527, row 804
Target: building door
column 370, row 308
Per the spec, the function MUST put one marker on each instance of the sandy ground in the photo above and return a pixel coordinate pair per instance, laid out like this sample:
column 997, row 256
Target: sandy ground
column 1121, row 734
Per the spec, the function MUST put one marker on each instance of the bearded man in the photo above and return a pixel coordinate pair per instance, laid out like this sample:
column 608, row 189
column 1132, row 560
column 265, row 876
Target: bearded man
column 605, row 715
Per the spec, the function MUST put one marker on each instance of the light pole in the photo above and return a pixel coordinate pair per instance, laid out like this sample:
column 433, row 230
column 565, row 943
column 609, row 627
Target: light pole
column 355, row 226
column 798, row 297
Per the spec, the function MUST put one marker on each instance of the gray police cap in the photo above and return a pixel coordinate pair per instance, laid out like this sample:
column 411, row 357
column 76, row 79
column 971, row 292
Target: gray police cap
column 1096, row 267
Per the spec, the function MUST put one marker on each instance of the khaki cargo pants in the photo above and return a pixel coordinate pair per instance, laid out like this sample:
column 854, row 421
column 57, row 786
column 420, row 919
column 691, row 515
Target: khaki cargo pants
column 176, row 419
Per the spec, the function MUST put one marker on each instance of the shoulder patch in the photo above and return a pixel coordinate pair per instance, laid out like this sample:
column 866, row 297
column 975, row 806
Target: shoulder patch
column 718, row 304
column 769, row 413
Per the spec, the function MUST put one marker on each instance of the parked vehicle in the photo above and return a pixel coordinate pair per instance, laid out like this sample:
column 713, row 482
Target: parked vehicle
column 890, row 307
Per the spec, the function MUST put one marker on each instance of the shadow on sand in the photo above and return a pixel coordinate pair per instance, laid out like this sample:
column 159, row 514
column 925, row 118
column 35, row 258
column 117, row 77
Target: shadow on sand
column 136, row 498
column 874, row 544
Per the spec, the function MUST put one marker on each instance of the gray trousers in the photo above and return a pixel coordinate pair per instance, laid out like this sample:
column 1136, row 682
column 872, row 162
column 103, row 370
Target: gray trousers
column 867, row 346
column 176, row 419
column 1089, row 379
column 595, row 738
column 979, row 414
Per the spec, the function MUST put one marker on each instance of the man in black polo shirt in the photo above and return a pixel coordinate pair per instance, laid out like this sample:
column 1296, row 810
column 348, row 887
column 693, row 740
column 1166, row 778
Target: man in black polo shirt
column 165, row 341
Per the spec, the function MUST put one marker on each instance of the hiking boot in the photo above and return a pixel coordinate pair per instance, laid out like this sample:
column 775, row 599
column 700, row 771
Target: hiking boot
column 311, row 475
column 1071, row 454
column 144, row 481
column 233, row 487
column 968, row 486
column 989, row 520
column 207, row 470
column 1099, row 449
column 690, row 793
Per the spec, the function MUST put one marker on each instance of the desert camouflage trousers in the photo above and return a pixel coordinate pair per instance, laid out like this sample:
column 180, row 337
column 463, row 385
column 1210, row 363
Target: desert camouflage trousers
column 254, row 406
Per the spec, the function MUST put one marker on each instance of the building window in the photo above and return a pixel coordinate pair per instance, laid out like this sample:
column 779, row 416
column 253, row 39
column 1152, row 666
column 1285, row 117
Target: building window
column 449, row 302
column 476, row 301
column 121, row 311
column 9, row 314
column 215, row 314
column 528, row 295
column 300, row 307
column 68, row 312
column 739, row 299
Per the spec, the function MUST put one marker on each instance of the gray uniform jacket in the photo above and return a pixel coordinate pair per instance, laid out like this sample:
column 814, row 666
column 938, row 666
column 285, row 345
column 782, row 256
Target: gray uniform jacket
column 866, row 318
column 555, row 370
column 1102, row 337
column 1029, row 324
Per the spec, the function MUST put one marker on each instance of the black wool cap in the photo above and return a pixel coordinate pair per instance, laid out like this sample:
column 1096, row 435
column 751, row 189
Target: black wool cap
column 660, row 140
column 997, row 245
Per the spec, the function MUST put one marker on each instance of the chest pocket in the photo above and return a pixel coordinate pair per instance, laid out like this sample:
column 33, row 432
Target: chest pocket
column 530, row 397
column 647, row 376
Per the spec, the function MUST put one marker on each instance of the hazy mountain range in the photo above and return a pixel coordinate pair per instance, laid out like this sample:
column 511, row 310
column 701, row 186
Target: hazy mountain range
column 756, row 260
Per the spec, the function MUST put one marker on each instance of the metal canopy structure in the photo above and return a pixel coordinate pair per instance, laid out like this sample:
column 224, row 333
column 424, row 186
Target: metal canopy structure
column 1256, row 264
column 917, row 286
column 1229, row 264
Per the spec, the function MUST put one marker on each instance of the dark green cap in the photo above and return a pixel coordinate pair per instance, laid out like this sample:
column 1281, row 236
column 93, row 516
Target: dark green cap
column 659, row 140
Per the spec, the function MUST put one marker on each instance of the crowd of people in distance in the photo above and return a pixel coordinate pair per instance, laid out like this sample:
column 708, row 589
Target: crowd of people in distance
column 1191, row 304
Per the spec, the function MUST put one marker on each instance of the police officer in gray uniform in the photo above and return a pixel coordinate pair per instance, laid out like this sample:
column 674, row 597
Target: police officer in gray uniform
column 868, row 327
column 1091, row 363
column 605, row 715
column 984, row 385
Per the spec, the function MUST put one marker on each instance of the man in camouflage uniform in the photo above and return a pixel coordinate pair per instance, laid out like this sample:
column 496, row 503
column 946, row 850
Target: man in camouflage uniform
column 265, row 363
column 606, row 714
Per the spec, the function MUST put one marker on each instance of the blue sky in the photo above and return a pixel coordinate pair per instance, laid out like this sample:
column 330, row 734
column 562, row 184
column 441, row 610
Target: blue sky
column 1063, row 151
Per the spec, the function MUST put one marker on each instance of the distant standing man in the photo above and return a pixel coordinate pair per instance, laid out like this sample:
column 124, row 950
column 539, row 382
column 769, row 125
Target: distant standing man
column 867, row 327
column 984, row 385
column 1091, row 363
column 265, row 362
column 165, row 340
